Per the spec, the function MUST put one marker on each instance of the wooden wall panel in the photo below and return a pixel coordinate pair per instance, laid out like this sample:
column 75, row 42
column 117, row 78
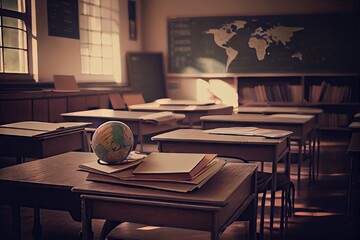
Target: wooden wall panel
column 41, row 110
column 92, row 101
column 104, row 101
column 77, row 103
column 56, row 107
column 15, row 111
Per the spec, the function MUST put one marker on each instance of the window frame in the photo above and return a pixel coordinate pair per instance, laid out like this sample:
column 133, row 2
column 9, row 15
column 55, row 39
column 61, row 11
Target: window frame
column 26, row 18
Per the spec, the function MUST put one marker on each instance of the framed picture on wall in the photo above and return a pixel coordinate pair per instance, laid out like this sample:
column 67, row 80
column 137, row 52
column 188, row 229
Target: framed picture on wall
column 132, row 19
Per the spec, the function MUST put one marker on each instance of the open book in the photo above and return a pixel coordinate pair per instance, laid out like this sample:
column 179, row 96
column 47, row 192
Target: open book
column 160, row 117
column 39, row 129
column 126, row 177
column 250, row 131
column 177, row 166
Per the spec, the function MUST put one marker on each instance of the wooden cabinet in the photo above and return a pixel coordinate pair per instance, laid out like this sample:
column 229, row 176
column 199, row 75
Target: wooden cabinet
column 46, row 106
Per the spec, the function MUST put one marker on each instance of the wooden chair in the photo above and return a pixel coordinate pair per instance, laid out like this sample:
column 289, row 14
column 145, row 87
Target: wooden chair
column 263, row 185
column 65, row 83
column 133, row 98
column 117, row 102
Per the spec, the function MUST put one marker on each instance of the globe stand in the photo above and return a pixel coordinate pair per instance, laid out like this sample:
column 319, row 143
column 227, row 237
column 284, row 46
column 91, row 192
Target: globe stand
column 109, row 164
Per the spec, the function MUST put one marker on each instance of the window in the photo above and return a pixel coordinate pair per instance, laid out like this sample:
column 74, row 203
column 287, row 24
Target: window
column 15, row 23
column 99, row 38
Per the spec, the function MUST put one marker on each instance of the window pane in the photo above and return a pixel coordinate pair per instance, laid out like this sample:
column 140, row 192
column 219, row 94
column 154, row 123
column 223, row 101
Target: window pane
column 85, row 9
column 84, row 36
column 95, row 38
column 95, row 11
column 107, row 66
column 95, row 51
column 13, row 22
column 84, row 22
column 85, row 64
column 14, row 38
column 85, row 50
column 107, row 51
column 15, row 61
column 106, row 25
column 95, row 24
column 15, row 5
column 95, row 66
column 1, row 61
column 106, row 38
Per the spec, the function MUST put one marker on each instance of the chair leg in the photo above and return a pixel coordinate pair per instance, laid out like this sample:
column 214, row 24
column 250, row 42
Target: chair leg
column 282, row 215
column 262, row 216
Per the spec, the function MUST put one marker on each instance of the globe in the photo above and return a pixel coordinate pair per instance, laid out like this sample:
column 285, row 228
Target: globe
column 112, row 142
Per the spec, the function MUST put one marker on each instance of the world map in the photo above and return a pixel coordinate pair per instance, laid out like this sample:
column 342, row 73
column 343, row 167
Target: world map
column 312, row 43
column 259, row 40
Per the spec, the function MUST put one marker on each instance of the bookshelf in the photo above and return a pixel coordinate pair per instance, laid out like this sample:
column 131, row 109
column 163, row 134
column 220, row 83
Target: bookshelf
column 336, row 93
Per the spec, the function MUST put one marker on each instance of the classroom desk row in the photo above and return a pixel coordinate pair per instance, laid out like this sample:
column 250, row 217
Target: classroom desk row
column 46, row 184
column 250, row 148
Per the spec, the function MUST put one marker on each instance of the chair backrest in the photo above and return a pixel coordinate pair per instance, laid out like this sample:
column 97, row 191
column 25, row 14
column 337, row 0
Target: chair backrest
column 65, row 83
column 133, row 98
column 117, row 102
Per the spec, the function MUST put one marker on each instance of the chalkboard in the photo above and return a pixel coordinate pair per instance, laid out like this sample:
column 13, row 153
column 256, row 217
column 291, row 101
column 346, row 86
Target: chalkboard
column 146, row 74
column 264, row 44
column 63, row 18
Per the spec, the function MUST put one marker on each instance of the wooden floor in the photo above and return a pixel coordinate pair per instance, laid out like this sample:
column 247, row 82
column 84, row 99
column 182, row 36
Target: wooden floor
column 321, row 211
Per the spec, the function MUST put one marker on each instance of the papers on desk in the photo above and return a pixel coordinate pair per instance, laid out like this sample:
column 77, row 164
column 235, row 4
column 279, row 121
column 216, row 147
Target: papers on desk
column 39, row 129
column 182, row 102
column 160, row 117
column 250, row 131
column 171, row 175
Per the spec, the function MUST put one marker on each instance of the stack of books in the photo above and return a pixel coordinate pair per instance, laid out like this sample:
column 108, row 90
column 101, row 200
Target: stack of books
column 178, row 172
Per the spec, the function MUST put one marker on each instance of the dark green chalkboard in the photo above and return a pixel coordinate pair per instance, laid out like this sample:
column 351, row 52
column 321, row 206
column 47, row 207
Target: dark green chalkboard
column 146, row 74
column 264, row 44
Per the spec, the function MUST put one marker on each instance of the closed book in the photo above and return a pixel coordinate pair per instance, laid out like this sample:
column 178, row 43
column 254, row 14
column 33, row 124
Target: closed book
column 177, row 166
column 105, row 168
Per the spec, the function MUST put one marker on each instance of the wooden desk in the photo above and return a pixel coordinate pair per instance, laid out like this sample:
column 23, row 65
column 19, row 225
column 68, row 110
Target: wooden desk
column 354, row 151
column 134, row 120
column 302, row 126
column 290, row 110
column 274, row 110
column 39, row 147
column 249, row 148
column 192, row 113
column 355, row 126
column 212, row 207
column 44, row 183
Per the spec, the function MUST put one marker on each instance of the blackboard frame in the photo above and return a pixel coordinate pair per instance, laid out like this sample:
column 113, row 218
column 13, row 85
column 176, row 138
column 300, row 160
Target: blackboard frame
column 145, row 71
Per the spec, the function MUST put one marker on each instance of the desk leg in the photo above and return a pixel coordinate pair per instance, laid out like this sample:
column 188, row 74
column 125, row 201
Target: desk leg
column 86, row 232
column 318, row 152
column 273, row 191
column 37, row 229
column 107, row 228
column 300, row 157
column 16, row 222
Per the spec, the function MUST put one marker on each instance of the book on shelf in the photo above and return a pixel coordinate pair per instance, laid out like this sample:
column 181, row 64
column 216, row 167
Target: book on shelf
column 177, row 166
column 250, row 131
column 271, row 93
column 40, row 129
